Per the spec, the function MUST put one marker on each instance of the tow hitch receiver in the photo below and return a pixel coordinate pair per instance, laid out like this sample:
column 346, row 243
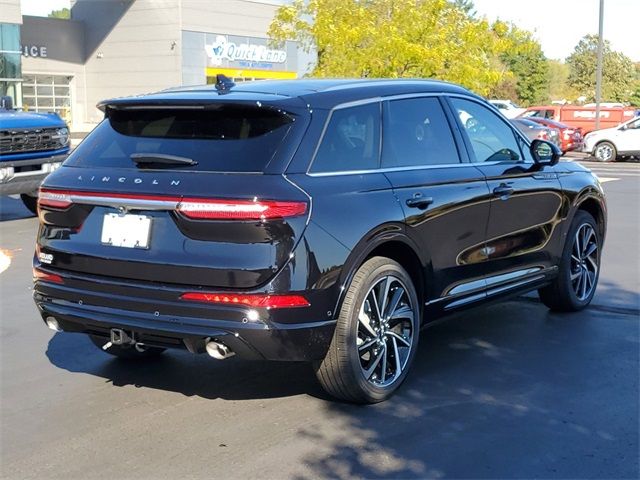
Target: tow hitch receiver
column 120, row 337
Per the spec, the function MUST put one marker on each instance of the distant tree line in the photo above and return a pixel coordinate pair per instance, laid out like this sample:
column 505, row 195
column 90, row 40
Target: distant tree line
column 447, row 40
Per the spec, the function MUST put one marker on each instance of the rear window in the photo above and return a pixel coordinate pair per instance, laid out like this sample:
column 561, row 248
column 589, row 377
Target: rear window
column 220, row 138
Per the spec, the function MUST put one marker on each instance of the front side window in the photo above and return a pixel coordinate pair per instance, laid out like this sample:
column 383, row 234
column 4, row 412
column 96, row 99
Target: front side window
column 416, row 133
column 351, row 140
column 492, row 140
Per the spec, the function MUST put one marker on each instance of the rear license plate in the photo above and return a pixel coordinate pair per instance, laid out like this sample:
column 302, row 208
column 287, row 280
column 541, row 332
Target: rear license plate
column 129, row 231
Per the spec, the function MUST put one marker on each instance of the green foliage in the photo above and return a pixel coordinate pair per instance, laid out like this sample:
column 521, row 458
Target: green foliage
column 523, row 57
column 617, row 71
column 559, row 88
column 63, row 13
column 414, row 38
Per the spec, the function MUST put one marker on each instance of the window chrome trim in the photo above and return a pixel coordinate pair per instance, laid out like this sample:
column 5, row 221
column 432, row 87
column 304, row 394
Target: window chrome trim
column 397, row 169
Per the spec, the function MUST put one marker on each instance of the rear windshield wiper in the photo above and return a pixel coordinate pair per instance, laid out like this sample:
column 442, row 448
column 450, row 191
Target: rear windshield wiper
column 161, row 158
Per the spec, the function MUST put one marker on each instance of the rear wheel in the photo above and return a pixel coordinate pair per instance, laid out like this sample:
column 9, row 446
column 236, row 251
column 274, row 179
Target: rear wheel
column 376, row 335
column 605, row 152
column 129, row 352
column 30, row 202
column 575, row 285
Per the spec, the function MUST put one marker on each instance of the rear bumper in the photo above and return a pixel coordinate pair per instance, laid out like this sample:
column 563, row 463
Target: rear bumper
column 165, row 325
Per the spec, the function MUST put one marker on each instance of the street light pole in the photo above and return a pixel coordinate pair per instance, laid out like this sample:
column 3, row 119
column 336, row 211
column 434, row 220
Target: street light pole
column 599, row 65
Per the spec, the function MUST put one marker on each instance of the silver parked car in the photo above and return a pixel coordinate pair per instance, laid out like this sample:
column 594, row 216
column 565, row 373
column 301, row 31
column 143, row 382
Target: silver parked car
column 535, row 130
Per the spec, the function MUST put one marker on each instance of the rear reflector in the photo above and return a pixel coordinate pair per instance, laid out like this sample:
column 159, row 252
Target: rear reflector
column 195, row 208
column 256, row 301
column 39, row 275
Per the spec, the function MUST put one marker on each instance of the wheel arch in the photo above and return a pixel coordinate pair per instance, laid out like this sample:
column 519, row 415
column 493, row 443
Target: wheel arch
column 594, row 205
column 396, row 246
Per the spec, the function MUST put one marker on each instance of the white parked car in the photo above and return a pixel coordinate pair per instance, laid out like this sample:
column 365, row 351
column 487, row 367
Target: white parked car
column 610, row 143
column 507, row 108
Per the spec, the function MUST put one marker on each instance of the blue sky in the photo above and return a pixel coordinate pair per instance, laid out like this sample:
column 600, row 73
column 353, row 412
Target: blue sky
column 557, row 24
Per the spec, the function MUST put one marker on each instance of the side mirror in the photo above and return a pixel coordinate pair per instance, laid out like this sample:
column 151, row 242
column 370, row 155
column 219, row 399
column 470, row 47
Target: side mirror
column 545, row 153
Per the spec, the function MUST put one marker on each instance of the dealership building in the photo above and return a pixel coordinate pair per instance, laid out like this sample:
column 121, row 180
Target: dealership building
column 113, row 48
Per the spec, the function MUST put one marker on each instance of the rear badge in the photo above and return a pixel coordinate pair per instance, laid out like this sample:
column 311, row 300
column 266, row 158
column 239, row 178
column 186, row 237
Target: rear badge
column 45, row 258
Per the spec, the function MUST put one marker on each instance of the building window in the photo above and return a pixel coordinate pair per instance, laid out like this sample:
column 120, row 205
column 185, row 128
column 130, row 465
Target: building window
column 47, row 93
column 10, row 61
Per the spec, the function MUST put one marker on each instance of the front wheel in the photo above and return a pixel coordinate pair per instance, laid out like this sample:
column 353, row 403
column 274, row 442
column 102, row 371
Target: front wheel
column 376, row 335
column 575, row 285
column 605, row 152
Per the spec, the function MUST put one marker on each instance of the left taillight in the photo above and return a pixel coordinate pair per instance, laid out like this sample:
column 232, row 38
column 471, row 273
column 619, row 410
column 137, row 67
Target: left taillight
column 40, row 275
column 54, row 199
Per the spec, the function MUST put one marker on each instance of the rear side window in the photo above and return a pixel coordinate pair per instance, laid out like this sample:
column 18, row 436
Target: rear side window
column 220, row 138
column 351, row 140
column 416, row 133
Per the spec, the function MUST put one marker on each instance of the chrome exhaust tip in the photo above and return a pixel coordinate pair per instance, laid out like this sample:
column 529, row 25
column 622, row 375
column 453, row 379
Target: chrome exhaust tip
column 53, row 324
column 218, row 350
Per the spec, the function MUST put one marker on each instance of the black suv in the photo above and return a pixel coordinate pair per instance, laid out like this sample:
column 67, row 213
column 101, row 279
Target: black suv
column 324, row 221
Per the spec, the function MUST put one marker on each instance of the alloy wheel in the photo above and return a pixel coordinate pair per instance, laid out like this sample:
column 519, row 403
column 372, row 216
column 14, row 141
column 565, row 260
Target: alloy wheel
column 604, row 152
column 584, row 261
column 385, row 331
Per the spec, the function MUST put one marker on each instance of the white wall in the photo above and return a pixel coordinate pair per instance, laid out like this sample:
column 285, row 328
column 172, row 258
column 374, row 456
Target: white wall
column 10, row 11
column 132, row 53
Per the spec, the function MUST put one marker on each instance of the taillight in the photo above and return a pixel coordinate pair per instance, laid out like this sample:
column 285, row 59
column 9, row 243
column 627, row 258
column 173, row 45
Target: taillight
column 256, row 301
column 543, row 136
column 194, row 208
column 54, row 199
column 239, row 209
column 39, row 275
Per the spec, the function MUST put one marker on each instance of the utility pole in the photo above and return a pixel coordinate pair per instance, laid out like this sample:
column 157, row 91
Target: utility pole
column 599, row 65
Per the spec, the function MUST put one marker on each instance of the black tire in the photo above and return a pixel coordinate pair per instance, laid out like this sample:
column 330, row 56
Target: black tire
column 128, row 352
column 341, row 372
column 30, row 202
column 605, row 152
column 561, row 295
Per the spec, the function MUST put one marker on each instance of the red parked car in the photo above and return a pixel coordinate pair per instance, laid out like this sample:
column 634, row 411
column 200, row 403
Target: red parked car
column 570, row 138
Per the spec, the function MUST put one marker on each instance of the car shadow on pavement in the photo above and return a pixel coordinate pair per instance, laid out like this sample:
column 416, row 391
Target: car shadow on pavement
column 13, row 209
column 182, row 372
column 504, row 391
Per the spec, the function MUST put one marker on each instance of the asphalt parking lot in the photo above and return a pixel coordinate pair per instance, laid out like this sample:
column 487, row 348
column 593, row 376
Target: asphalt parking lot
column 505, row 391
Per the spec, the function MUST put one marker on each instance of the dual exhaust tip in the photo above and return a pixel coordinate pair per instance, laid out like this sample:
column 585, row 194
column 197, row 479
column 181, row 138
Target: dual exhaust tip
column 218, row 350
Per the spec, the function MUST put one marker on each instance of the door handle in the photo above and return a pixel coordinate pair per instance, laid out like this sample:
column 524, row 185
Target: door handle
column 503, row 190
column 418, row 201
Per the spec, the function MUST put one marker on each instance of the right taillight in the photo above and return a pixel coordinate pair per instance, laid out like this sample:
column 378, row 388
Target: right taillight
column 208, row 209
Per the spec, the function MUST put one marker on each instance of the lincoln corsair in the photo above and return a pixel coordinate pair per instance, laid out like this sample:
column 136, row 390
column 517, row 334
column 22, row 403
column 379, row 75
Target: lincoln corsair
column 324, row 221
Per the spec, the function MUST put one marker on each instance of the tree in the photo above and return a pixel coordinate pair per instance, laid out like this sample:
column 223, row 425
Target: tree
column 523, row 57
column 559, row 88
column 617, row 71
column 63, row 13
column 393, row 38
